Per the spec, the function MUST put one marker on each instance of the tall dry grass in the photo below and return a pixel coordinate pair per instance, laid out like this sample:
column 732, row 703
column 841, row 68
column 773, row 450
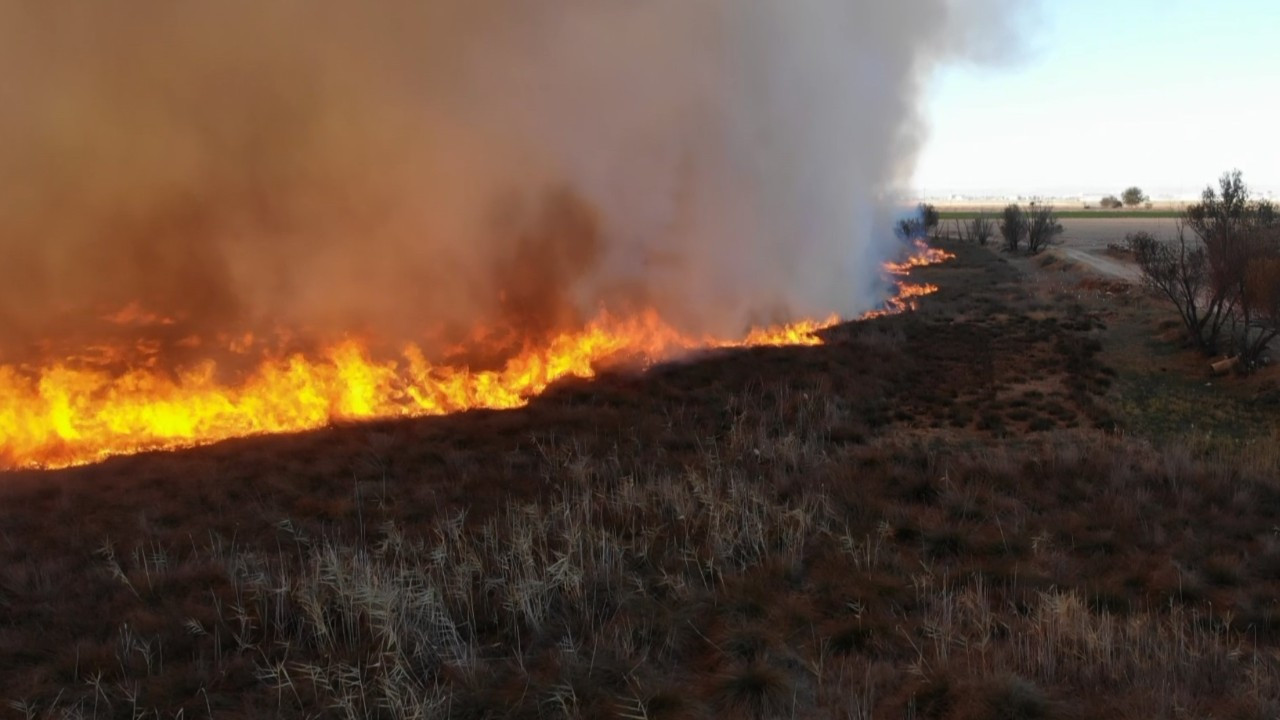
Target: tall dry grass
column 779, row 574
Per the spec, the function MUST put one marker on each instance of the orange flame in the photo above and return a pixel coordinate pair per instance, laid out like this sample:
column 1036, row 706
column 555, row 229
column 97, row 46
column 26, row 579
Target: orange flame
column 923, row 256
column 67, row 414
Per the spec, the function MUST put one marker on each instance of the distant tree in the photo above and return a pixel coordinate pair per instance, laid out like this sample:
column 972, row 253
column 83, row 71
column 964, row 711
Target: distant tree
column 1042, row 228
column 1133, row 196
column 1013, row 227
column 1110, row 202
column 1229, row 210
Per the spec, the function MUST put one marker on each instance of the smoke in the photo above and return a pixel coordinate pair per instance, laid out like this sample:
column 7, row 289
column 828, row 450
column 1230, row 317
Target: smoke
column 422, row 168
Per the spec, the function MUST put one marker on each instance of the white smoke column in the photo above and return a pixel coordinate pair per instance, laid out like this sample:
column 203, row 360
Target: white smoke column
column 376, row 166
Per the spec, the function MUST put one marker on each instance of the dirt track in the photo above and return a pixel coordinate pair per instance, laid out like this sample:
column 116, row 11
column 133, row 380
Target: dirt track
column 1086, row 241
column 1101, row 263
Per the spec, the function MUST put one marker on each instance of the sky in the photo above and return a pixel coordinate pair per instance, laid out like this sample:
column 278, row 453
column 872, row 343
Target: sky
column 1163, row 94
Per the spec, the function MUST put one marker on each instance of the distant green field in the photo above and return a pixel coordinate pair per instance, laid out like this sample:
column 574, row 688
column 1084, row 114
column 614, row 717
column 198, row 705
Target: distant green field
column 1071, row 214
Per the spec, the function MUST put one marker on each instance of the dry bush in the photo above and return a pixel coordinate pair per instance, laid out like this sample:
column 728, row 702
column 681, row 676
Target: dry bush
column 1042, row 228
column 1260, row 303
column 1223, row 282
column 923, row 224
column 1239, row 234
column 909, row 229
column 1013, row 227
column 979, row 230
column 1180, row 272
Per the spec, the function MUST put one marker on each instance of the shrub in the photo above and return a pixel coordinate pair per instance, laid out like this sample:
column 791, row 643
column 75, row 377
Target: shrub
column 930, row 216
column 1226, row 286
column 909, row 229
column 1260, row 307
column 1013, row 227
column 979, row 230
column 1179, row 271
column 1042, row 228
column 922, row 225
column 1239, row 235
column 1110, row 202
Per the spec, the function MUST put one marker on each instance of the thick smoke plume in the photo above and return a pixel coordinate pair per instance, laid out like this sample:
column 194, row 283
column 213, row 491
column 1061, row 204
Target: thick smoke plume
column 428, row 168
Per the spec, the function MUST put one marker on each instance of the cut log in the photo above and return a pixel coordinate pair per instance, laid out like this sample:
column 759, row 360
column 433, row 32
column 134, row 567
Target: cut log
column 1224, row 366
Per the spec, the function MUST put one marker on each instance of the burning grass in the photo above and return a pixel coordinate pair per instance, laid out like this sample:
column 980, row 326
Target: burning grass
column 74, row 412
column 67, row 415
column 759, row 533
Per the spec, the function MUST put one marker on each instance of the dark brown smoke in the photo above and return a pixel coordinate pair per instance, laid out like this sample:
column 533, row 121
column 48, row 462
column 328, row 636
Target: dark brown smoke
column 437, row 170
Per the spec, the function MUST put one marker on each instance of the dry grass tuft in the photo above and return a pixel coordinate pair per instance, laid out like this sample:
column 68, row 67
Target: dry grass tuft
column 754, row 690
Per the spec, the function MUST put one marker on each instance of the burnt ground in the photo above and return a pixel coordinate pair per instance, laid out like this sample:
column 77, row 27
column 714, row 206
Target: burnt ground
column 1004, row 449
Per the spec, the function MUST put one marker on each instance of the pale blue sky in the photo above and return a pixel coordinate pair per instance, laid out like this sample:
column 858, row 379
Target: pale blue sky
column 1165, row 95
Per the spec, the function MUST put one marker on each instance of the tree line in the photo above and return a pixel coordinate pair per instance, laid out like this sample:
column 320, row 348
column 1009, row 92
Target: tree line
column 1031, row 229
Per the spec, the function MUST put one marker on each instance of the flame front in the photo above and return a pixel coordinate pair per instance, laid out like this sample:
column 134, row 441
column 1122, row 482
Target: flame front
column 65, row 414
column 922, row 257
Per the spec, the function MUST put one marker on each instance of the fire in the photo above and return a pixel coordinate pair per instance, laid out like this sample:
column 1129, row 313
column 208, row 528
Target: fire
column 907, row 300
column 923, row 256
column 803, row 333
column 70, row 413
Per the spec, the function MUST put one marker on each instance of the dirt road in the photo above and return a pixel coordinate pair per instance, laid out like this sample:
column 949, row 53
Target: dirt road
column 1104, row 264
column 1086, row 241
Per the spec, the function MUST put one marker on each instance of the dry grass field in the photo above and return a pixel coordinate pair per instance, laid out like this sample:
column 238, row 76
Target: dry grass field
column 1017, row 502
